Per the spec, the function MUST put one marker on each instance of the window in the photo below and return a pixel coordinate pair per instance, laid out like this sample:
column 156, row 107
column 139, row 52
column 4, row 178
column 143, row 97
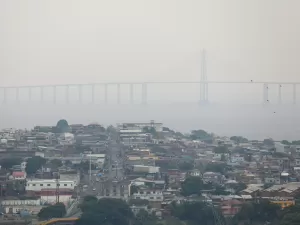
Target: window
column 151, row 197
column 41, row 185
column 48, row 185
column 65, row 184
column 33, row 184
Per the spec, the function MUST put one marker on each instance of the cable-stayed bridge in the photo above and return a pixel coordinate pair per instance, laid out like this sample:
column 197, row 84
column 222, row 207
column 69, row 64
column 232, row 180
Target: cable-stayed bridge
column 5, row 92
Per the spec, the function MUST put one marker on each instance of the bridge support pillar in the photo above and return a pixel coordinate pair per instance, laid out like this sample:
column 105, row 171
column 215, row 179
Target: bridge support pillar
column 144, row 93
column 265, row 93
column 294, row 94
column 54, row 94
column 279, row 94
column 118, row 94
column 131, row 94
column 105, row 93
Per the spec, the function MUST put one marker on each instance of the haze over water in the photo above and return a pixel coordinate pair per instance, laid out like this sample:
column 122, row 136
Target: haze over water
column 251, row 121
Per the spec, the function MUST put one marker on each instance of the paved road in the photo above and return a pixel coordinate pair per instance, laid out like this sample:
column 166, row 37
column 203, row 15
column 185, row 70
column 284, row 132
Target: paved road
column 112, row 183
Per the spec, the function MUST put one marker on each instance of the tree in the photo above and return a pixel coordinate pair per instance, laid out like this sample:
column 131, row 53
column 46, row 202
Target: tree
column 239, row 139
column 221, row 150
column 195, row 212
column 106, row 211
column 258, row 213
column 192, row 185
column 173, row 221
column 296, row 142
column 216, row 168
column 285, row 142
column 54, row 211
column 56, row 162
column 219, row 190
column 199, row 135
column 144, row 218
column 62, row 126
column 185, row 166
column 238, row 187
column 133, row 189
column 9, row 162
column 291, row 219
column 88, row 203
column 34, row 164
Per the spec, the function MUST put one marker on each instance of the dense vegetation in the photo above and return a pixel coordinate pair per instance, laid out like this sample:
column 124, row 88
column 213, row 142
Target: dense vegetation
column 53, row 211
column 34, row 164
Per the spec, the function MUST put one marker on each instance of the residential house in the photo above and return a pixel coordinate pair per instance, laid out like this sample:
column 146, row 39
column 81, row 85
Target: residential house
column 19, row 175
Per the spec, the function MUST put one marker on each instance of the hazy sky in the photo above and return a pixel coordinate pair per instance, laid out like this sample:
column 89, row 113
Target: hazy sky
column 44, row 42
column 62, row 41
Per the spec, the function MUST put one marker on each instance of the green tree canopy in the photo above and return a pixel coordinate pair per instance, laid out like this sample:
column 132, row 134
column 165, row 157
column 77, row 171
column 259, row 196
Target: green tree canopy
column 144, row 218
column 62, row 126
column 220, row 190
column 9, row 162
column 221, row 149
column 133, row 189
column 258, row 213
column 195, row 213
column 191, row 186
column 291, row 219
column 34, row 164
column 285, row 142
column 105, row 211
column 185, row 166
column 199, row 135
column 296, row 142
column 216, row 167
column 239, row 139
column 54, row 211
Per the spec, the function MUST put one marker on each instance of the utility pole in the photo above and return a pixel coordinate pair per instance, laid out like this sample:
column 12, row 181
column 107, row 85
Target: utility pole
column 90, row 169
column 57, row 188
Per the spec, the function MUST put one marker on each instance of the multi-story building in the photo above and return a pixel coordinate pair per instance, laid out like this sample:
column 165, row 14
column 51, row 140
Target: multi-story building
column 131, row 126
column 38, row 185
column 150, row 195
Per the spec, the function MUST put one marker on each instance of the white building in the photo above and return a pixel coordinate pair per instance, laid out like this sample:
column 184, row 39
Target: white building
column 51, row 199
column 39, row 185
column 131, row 126
column 145, row 169
column 66, row 139
column 195, row 173
column 279, row 147
column 33, row 206
column 237, row 158
column 149, row 195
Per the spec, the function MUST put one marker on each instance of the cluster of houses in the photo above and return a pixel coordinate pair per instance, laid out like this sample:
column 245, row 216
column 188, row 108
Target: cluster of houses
column 156, row 160
column 21, row 192
column 251, row 169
